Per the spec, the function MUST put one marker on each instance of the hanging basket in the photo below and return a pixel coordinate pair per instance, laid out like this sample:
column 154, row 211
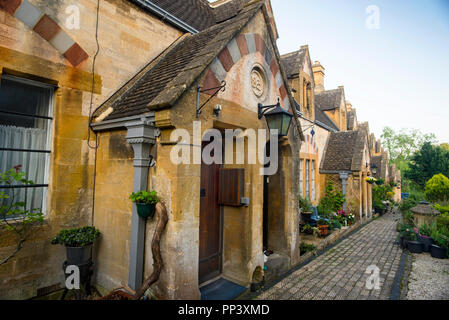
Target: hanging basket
column 145, row 210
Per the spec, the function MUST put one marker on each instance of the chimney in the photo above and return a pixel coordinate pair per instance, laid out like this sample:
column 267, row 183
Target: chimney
column 348, row 106
column 318, row 76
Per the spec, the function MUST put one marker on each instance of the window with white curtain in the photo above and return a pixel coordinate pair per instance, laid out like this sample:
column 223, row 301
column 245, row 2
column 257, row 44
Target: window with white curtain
column 308, row 179
column 313, row 181
column 25, row 129
column 301, row 178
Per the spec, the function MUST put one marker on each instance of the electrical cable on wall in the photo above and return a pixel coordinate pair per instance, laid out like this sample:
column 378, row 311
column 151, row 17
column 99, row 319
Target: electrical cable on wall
column 89, row 128
column 93, row 80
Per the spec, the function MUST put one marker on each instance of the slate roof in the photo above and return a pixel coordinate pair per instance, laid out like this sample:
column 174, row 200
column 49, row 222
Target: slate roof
column 292, row 62
column 344, row 152
column 200, row 14
column 322, row 117
column 329, row 100
column 165, row 79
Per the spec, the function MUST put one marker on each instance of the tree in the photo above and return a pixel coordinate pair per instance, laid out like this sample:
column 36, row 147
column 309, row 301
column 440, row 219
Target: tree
column 403, row 144
column 14, row 216
column 445, row 146
column 437, row 188
column 427, row 162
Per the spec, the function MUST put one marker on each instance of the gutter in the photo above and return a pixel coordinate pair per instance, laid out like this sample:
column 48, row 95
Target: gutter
column 325, row 126
column 120, row 123
column 158, row 11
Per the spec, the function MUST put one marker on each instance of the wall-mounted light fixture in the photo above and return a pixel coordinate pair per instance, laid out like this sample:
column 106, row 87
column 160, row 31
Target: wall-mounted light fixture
column 276, row 117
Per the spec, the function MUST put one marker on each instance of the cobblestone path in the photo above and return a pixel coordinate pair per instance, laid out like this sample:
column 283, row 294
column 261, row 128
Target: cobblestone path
column 341, row 272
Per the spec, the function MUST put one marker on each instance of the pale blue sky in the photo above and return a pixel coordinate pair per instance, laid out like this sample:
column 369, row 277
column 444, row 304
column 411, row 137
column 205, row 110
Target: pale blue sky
column 394, row 76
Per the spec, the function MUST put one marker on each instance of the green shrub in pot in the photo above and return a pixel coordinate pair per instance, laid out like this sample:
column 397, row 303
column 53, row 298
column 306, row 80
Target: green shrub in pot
column 145, row 202
column 78, row 243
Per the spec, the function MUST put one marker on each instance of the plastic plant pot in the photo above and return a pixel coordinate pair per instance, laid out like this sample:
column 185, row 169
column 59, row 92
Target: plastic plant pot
column 79, row 255
column 438, row 252
column 426, row 242
column 414, row 246
column 145, row 210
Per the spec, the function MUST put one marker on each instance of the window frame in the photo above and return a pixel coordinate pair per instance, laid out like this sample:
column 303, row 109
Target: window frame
column 48, row 145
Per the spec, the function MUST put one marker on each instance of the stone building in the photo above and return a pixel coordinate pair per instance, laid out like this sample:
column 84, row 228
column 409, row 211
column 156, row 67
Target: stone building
column 157, row 62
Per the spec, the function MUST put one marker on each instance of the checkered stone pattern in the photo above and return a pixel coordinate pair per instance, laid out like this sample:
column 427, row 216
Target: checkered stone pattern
column 341, row 272
column 46, row 27
column 238, row 48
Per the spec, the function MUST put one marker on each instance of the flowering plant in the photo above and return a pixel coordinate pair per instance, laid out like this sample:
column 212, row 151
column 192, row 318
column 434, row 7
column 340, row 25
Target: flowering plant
column 370, row 180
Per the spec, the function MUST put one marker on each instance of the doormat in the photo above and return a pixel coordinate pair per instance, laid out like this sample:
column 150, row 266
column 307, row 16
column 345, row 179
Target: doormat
column 221, row 290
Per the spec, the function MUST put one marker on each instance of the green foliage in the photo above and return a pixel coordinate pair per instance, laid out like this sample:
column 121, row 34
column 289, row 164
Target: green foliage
column 441, row 208
column 430, row 160
column 443, row 222
column 322, row 222
column 332, row 201
column 307, row 229
column 381, row 193
column 305, row 247
column 437, row 188
column 79, row 237
column 440, row 239
column 401, row 145
column 335, row 224
column 13, row 213
column 305, row 204
column 426, row 229
column 407, row 204
column 145, row 197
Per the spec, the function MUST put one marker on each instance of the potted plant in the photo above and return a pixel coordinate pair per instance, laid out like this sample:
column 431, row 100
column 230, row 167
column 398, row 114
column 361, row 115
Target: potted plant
column 371, row 180
column 425, row 231
column 145, row 202
column 413, row 245
column 323, row 225
column 440, row 248
column 307, row 229
column 78, row 243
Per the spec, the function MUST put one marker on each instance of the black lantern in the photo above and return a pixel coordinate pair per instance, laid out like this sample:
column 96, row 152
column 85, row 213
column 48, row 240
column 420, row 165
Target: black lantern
column 277, row 118
column 374, row 169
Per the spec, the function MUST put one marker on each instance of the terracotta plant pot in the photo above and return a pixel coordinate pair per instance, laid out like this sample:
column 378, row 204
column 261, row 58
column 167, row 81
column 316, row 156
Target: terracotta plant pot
column 324, row 230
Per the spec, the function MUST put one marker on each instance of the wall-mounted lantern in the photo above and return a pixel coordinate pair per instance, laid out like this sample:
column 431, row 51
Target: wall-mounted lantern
column 277, row 118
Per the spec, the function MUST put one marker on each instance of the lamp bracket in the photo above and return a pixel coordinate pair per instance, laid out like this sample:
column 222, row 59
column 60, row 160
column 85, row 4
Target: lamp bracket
column 199, row 90
column 264, row 109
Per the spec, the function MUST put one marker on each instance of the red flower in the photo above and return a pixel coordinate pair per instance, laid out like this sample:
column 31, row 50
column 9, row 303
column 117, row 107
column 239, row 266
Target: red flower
column 18, row 167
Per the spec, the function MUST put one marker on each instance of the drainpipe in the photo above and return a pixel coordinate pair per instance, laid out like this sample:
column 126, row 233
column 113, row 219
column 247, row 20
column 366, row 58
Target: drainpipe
column 141, row 136
column 344, row 182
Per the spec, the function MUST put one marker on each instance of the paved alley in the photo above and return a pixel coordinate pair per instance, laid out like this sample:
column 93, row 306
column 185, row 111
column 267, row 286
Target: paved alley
column 341, row 272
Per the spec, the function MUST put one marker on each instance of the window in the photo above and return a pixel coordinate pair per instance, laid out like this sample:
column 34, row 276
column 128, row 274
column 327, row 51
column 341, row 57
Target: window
column 301, row 178
column 313, row 181
column 25, row 129
column 308, row 179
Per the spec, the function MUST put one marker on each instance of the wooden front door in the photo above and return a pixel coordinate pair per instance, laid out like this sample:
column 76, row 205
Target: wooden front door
column 210, row 247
